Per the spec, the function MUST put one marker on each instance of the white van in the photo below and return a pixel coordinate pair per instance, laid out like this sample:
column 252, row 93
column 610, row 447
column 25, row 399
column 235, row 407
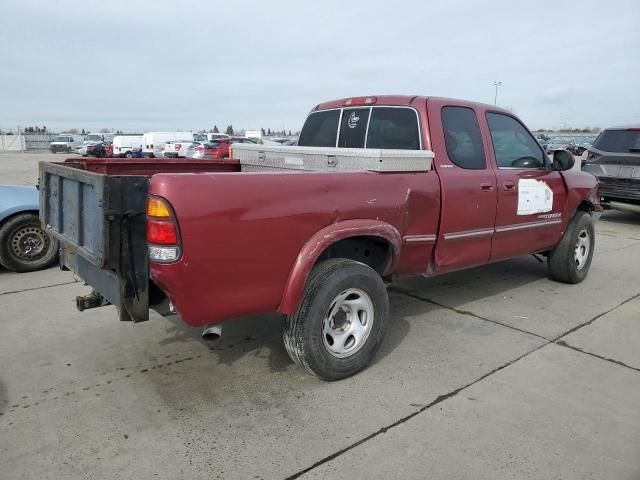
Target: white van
column 124, row 144
column 153, row 142
column 65, row 143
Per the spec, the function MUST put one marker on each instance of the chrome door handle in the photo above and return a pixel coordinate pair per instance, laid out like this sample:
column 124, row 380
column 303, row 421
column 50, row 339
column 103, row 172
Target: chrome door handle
column 486, row 187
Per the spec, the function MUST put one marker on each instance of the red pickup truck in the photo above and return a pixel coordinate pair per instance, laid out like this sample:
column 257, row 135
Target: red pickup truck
column 378, row 187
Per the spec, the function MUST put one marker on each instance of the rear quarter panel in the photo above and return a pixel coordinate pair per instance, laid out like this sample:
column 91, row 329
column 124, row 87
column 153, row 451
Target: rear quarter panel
column 242, row 233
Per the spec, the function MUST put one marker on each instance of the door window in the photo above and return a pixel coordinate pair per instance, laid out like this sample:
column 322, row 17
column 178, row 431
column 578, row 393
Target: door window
column 513, row 145
column 462, row 138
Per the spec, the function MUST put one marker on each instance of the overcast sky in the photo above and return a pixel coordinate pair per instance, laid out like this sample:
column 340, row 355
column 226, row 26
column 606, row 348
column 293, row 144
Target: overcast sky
column 187, row 65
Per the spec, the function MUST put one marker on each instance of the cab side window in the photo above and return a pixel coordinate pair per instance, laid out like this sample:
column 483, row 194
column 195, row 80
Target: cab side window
column 462, row 138
column 513, row 145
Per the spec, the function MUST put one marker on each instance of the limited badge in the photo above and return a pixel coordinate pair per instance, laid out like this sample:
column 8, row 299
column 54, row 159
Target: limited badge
column 353, row 120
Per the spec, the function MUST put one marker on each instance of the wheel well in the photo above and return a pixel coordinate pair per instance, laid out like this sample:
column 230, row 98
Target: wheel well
column 370, row 250
column 585, row 206
column 15, row 214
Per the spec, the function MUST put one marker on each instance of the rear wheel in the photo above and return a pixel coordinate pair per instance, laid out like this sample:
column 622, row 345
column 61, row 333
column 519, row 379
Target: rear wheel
column 128, row 155
column 25, row 246
column 570, row 260
column 341, row 319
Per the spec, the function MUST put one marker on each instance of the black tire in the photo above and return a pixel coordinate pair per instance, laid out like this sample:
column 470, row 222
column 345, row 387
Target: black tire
column 304, row 338
column 570, row 260
column 14, row 233
column 128, row 155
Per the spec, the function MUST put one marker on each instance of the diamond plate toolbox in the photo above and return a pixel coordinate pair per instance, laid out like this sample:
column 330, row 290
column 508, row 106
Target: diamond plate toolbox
column 255, row 158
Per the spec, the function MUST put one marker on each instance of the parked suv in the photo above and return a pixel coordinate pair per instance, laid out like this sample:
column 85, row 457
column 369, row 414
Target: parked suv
column 614, row 158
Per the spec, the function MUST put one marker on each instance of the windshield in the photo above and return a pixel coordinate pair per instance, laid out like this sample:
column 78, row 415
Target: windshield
column 94, row 138
column 63, row 139
column 618, row 141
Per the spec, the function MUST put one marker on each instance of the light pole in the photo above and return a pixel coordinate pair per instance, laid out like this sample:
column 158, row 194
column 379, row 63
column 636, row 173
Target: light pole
column 495, row 99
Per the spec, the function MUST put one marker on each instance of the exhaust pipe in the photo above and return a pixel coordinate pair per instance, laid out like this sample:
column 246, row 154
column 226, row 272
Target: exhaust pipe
column 212, row 333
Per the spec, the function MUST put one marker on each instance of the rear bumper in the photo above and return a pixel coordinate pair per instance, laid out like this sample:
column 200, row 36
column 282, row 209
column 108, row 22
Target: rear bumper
column 171, row 154
column 619, row 189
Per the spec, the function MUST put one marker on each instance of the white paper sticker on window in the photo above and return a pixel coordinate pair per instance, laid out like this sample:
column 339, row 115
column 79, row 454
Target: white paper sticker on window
column 534, row 196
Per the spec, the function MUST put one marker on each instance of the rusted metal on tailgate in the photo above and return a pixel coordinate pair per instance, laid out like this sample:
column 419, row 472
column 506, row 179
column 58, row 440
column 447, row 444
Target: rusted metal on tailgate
column 101, row 225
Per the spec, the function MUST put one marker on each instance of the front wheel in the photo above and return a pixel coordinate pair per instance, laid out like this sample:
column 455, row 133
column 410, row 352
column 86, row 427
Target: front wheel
column 25, row 246
column 341, row 319
column 570, row 260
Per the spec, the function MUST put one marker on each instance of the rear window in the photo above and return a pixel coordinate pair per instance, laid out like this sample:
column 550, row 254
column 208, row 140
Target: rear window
column 393, row 128
column 379, row 127
column 213, row 144
column 618, row 141
column 320, row 129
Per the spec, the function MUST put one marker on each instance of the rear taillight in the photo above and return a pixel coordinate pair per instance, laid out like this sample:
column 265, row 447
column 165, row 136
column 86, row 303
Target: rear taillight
column 162, row 231
column 199, row 149
column 178, row 146
column 151, row 146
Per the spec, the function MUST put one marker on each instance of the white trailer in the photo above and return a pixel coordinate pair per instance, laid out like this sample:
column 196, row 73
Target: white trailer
column 123, row 145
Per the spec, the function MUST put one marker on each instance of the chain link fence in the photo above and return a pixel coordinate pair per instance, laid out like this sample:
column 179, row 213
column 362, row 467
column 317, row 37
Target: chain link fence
column 20, row 142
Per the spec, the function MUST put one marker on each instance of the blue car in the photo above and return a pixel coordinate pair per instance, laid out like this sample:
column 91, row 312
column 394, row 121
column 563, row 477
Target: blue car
column 24, row 245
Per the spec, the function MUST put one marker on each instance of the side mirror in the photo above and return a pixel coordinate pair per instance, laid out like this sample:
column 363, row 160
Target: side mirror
column 563, row 160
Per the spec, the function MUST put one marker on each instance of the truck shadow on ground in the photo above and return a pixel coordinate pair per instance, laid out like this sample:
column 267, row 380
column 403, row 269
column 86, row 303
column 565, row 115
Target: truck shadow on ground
column 261, row 336
column 457, row 288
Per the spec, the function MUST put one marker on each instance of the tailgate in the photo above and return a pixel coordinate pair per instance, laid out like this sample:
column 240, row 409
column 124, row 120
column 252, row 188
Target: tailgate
column 100, row 222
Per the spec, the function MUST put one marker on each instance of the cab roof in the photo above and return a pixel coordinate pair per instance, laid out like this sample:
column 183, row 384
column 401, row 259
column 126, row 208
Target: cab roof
column 403, row 100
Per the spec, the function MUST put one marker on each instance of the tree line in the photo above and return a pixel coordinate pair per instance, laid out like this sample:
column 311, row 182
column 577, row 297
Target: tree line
column 268, row 132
